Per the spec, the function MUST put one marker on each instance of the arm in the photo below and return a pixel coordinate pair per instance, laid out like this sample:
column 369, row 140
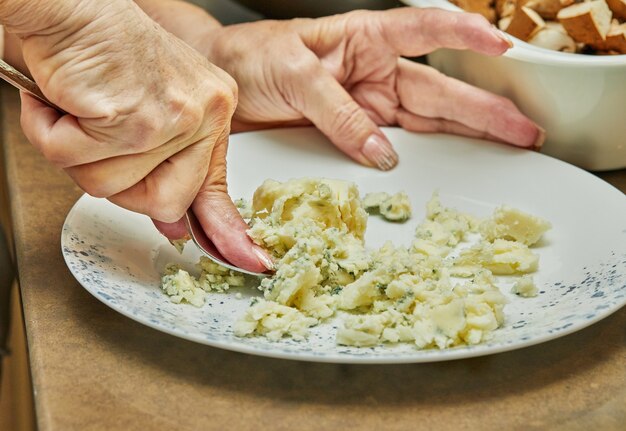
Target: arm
column 185, row 20
column 148, row 117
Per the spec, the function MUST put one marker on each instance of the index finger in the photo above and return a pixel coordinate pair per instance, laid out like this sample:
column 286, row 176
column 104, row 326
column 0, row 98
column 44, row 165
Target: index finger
column 415, row 31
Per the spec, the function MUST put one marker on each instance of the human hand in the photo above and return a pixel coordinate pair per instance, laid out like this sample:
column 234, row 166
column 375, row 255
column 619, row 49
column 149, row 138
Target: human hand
column 345, row 75
column 148, row 117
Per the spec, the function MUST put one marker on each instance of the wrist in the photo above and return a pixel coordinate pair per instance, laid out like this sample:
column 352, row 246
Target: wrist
column 44, row 17
column 186, row 21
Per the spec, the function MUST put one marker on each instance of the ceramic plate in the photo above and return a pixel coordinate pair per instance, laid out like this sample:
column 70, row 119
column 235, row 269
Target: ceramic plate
column 117, row 255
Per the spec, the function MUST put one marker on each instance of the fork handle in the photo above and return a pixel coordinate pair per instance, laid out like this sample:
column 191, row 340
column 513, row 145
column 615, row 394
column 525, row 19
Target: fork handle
column 24, row 83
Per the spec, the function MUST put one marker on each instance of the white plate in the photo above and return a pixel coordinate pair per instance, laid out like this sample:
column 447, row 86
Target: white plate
column 117, row 255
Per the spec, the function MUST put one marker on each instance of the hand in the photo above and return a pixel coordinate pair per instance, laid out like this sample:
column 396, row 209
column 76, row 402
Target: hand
column 149, row 117
column 345, row 75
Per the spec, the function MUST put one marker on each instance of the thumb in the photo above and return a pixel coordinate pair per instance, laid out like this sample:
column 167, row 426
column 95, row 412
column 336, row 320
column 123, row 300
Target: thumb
column 221, row 220
column 317, row 95
column 172, row 231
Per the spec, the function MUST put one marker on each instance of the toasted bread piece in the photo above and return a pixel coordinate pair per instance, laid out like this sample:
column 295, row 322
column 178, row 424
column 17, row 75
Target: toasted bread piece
column 548, row 9
column 525, row 23
column 505, row 8
column 586, row 22
column 553, row 36
column 503, row 23
column 482, row 7
column 618, row 7
column 615, row 41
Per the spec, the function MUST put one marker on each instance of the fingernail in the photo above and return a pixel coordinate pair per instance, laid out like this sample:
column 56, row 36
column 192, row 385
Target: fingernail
column 541, row 137
column 502, row 35
column 263, row 258
column 380, row 152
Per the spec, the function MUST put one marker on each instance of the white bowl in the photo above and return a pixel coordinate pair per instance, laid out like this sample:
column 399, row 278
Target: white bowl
column 579, row 99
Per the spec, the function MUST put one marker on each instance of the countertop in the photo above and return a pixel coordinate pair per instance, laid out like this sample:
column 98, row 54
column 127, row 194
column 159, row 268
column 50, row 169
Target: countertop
column 93, row 368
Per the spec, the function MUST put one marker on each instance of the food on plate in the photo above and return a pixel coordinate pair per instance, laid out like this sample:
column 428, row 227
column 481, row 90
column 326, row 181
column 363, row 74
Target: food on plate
column 588, row 27
column 395, row 207
column 513, row 224
column 180, row 286
column 439, row 292
column 525, row 287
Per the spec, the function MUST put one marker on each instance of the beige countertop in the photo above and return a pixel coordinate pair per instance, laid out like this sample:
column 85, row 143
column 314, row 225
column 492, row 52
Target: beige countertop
column 93, row 368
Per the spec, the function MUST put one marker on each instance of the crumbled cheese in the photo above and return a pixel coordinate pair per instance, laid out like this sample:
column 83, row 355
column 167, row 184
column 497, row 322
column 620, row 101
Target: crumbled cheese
column 180, row 286
column 216, row 278
column 274, row 321
column 525, row 287
column 393, row 208
column 314, row 229
column 513, row 224
column 179, row 244
column 501, row 257
column 454, row 224
column 372, row 201
column 244, row 207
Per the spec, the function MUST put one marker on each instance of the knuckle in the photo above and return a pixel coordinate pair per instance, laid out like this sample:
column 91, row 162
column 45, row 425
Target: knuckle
column 188, row 116
column 359, row 14
column 477, row 21
column 223, row 101
column 167, row 214
column 346, row 118
column 96, row 181
column 501, row 105
column 234, row 88
column 144, row 131
column 298, row 64
column 230, row 83
column 166, row 201
column 57, row 155
column 162, row 207
column 38, row 140
column 93, row 187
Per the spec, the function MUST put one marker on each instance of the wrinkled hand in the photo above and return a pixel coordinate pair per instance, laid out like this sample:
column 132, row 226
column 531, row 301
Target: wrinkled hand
column 148, row 121
column 345, row 75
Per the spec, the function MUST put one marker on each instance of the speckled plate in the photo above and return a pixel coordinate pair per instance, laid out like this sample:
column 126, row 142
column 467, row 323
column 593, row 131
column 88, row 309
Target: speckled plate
column 117, row 255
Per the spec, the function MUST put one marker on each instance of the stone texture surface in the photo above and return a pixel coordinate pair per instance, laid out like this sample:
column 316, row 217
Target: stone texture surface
column 95, row 369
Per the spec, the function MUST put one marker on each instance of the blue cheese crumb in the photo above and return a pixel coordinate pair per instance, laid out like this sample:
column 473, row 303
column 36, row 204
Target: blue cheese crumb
column 216, row 278
column 395, row 207
column 274, row 321
column 314, row 229
column 525, row 287
column 179, row 244
column 180, row 286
